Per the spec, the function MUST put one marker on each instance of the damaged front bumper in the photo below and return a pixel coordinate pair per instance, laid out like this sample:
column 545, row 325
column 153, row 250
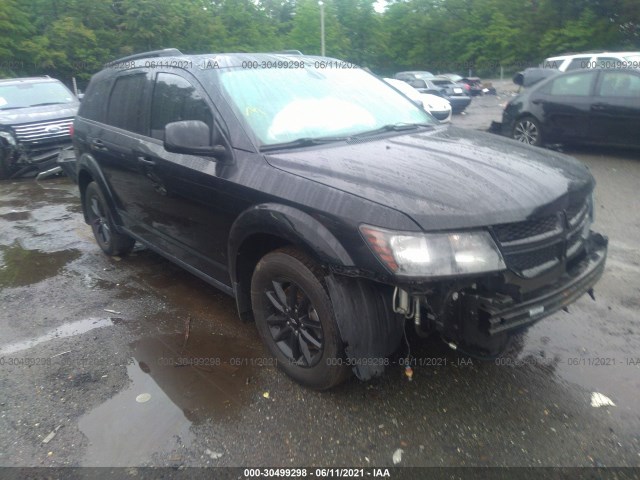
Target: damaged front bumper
column 477, row 316
column 481, row 318
column 499, row 315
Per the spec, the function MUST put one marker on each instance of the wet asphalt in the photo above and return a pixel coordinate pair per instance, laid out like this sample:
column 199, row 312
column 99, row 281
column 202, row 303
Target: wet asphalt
column 135, row 362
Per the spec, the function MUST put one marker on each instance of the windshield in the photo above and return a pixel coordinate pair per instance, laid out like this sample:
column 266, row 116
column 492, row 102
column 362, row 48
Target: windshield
column 634, row 59
column 23, row 95
column 282, row 105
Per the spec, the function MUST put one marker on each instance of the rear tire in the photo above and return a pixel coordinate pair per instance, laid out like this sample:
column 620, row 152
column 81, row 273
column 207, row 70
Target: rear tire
column 100, row 218
column 294, row 316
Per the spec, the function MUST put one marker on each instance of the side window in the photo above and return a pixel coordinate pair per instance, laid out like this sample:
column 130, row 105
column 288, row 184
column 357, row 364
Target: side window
column 577, row 84
column 619, row 84
column 93, row 103
column 578, row 63
column 175, row 99
column 125, row 103
column 607, row 62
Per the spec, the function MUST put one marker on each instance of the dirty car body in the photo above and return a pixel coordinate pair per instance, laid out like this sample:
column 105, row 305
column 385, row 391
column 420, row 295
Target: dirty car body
column 333, row 230
column 35, row 116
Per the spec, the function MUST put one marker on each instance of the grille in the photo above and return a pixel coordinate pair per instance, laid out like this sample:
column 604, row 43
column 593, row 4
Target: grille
column 533, row 247
column 510, row 233
column 41, row 132
column 530, row 264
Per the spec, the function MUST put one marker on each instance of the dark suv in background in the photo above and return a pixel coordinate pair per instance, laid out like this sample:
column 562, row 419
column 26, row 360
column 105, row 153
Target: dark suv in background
column 35, row 117
column 331, row 207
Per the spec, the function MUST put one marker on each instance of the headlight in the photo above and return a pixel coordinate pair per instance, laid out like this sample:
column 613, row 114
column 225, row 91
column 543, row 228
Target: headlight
column 434, row 254
column 8, row 137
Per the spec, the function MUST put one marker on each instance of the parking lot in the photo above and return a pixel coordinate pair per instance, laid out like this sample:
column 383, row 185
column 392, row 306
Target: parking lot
column 135, row 362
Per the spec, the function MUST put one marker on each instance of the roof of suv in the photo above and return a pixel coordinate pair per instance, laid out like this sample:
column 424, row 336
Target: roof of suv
column 173, row 58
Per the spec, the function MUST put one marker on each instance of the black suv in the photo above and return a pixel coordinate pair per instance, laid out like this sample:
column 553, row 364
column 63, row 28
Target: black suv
column 35, row 116
column 331, row 207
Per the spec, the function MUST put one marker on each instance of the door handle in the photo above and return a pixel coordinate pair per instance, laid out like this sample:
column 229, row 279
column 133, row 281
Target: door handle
column 97, row 145
column 537, row 101
column 599, row 106
column 145, row 161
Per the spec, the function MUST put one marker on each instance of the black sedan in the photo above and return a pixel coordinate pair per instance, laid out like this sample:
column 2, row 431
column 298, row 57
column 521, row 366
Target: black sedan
column 578, row 107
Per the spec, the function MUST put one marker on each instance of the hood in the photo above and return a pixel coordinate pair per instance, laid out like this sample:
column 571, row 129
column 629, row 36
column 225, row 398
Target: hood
column 38, row 114
column 446, row 178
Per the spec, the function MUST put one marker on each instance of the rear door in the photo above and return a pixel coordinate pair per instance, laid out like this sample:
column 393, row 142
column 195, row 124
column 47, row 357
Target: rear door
column 564, row 105
column 615, row 110
column 114, row 144
column 187, row 208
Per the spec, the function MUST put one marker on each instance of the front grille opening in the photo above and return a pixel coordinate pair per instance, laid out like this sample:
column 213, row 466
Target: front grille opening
column 533, row 263
column 530, row 230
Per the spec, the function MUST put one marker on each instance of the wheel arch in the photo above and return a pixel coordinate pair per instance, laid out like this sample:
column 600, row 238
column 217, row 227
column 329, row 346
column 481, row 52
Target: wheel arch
column 89, row 171
column 267, row 227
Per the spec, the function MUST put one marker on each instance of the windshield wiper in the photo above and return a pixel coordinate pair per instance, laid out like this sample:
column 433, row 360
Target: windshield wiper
column 302, row 142
column 393, row 127
column 47, row 103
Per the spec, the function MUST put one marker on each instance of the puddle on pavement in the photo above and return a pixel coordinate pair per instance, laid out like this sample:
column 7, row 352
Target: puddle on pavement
column 66, row 330
column 584, row 356
column 206, row 379
column 22, row 267
column 16, row 216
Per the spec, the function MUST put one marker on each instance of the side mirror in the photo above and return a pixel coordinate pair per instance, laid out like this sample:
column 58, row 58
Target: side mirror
column 518, row 78
column 192, row 137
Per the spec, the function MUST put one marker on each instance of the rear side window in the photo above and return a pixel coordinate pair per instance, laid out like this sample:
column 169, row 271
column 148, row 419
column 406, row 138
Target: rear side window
column 578, row 63
column 93, row 104
column 175, row 99
column 126, row 103
column 619, row 84
column 577, row 84
column 606, row 62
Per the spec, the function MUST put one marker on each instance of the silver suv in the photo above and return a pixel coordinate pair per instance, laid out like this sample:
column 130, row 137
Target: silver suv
column 565, row 63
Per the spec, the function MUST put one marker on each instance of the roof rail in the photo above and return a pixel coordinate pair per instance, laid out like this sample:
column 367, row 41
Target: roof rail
column 167, row 52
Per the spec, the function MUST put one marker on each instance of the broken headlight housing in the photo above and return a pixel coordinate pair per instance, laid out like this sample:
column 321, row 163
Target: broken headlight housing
column 414, row 254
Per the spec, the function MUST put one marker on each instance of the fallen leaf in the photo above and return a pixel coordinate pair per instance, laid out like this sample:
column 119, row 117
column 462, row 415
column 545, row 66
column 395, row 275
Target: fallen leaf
column 397, row 456
column 599, row 400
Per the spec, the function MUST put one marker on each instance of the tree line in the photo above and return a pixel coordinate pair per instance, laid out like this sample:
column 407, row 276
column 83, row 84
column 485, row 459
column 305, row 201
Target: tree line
column 74, row 38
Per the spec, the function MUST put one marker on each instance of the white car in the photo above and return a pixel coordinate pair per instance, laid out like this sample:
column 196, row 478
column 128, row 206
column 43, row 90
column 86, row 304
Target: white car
column 435, row 105
column 565, row 63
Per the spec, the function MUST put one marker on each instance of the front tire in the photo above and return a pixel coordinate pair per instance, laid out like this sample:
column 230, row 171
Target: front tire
column 101, row 220
column 527, row 130
column 295, row 319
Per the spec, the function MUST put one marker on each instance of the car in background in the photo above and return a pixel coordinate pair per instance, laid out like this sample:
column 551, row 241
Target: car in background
column 458, row 99
column 413, row 75
column 595, row 106
column 35, row 117
column 578, row 61
column 472, row 84
column 456, row 93
column 434, row 104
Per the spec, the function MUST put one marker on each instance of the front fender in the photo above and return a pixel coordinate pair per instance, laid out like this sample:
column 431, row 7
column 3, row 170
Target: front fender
column 288, row 223
column 281, row 222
